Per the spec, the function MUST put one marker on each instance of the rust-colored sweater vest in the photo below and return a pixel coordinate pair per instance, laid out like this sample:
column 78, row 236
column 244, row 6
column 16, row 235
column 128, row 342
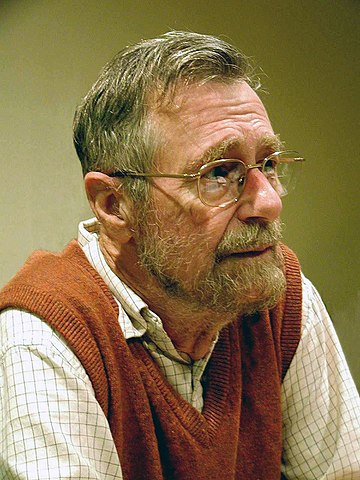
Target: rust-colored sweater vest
column 158, row 435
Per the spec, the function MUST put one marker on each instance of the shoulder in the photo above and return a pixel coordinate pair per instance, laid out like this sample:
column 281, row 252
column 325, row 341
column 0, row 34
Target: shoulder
column 56, row 281
column 319, row 352
column 23, row 334
column 314, row 312
column 47, row 268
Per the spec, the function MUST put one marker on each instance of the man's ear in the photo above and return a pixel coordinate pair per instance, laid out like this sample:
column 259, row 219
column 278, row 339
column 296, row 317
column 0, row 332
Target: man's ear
column 109, row 204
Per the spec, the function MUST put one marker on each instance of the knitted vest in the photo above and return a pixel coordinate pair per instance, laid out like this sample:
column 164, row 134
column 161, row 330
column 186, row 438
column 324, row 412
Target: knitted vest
column 158, row 435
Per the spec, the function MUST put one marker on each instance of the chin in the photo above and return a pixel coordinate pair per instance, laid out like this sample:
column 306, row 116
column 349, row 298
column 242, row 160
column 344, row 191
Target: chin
column 255, row 287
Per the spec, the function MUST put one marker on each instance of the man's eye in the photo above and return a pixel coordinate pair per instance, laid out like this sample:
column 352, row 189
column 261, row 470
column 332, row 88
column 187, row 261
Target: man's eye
column 270, row 167
column 217, row 173
column 229, row 171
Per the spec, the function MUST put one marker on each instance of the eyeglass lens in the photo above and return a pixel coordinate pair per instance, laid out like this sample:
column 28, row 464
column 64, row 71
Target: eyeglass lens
column 222, row 183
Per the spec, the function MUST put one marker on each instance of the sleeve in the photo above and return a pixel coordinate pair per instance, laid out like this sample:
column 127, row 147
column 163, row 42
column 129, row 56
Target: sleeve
column 320, row 403
column 51, row 425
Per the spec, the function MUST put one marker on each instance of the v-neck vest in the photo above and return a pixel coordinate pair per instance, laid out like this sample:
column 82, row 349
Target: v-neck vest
column 158, row 435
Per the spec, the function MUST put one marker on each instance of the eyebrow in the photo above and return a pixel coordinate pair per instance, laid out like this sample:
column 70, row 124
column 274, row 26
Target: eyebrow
column 271, row 142
column 216, row 152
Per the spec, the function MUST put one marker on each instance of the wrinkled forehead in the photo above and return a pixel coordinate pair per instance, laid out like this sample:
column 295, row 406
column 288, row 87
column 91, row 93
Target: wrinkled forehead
column 202, row 118
column 182, row 95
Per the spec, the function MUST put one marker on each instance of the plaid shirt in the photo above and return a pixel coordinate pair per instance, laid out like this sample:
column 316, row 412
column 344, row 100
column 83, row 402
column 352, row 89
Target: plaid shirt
column 52, row 427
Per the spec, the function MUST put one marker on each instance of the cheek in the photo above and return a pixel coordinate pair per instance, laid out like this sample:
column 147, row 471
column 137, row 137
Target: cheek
column 212, row 221
column 211, row 225
column 181, row 214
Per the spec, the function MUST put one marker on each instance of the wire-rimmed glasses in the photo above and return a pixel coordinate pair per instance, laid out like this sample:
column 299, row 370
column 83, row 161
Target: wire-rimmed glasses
column 222, row 181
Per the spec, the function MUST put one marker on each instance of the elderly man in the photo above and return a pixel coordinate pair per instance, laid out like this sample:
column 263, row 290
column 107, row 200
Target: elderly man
column 177, row 338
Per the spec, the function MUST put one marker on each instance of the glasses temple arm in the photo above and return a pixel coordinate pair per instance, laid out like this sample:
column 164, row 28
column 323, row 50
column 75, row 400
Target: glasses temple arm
column 155, row 175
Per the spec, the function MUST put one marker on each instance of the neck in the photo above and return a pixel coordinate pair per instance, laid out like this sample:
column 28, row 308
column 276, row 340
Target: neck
column 191, row 331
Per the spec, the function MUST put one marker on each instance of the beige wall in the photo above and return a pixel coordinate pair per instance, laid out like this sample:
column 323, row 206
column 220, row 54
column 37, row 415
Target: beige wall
column 51, row 52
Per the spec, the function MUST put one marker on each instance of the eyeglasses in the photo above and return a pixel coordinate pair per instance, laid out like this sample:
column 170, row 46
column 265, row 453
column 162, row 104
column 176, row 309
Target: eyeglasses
column 221, row 182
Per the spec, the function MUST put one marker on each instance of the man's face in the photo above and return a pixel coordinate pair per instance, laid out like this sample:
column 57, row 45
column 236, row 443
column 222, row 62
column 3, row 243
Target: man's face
column 224, row 259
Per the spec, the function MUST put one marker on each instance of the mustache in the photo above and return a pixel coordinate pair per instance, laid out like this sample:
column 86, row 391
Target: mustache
column 249, row 236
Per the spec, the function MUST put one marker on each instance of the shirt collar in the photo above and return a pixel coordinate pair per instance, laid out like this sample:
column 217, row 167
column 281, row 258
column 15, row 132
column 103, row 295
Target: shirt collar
column 135, row 317
column 131, row 321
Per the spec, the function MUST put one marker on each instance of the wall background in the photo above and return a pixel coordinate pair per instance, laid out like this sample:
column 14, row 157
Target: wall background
column 51, row 53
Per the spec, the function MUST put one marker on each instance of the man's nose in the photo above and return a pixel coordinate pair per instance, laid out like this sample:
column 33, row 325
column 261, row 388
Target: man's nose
column 258, row 199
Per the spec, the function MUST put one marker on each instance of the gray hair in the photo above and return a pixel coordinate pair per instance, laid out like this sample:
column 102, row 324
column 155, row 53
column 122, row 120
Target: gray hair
column 112, row 129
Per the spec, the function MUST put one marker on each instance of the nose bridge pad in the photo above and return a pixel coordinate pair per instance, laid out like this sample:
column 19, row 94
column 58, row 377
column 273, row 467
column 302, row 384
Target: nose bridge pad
column 240, row 184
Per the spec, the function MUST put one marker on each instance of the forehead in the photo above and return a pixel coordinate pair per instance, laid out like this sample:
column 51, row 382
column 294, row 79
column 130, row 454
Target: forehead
column 203, row 118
